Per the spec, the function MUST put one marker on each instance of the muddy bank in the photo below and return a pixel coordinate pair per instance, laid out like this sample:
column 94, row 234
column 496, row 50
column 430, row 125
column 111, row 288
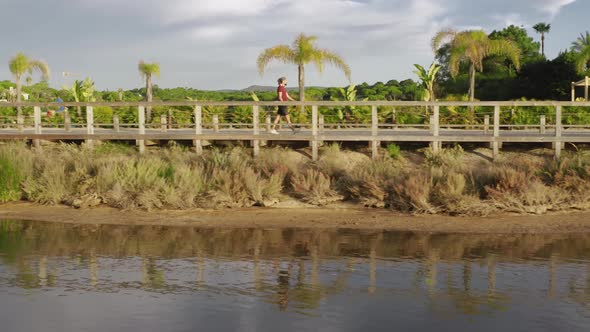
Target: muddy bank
column 336, row 217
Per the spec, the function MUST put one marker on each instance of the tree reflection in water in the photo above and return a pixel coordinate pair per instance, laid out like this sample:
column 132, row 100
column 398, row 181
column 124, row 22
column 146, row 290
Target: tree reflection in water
column 293, row 269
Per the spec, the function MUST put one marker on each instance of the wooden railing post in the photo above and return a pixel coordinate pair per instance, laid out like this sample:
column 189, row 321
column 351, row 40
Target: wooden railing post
column 141, row 120
column 37, row 123
column 256, row 130
column 321, row 127
column 216, row 123
column 573, row 91
column 198, row 130
column 431, row 124
column 543, row 124
column 558, row 144
column 587, row 83
column 163, row 123
column 267, row 122
column 67, row 122
column 496, row 142
column 394, row 118
column 116, row 125
column 314, row 133
column 20, row 122
column 486, row 128
column 436, row 144
column 374, row 133
column 89, row 123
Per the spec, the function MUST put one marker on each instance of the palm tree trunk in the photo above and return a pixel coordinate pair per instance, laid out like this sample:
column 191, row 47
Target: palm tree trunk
column 472, row 91
column 472, row 82
column 19, row 111
column 302, row 86
column 543, row 44
column 148, row 88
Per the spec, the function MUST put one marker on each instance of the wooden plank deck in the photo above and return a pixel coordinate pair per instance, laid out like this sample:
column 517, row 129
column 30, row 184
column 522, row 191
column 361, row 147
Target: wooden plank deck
column 389, row 135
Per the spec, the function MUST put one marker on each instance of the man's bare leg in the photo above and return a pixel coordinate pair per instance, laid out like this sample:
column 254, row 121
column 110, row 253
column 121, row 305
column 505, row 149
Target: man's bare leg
column 288, row 118
column 277, row 119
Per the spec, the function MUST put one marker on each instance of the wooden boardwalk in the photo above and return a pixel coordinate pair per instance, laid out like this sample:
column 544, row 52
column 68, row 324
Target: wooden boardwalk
column 435, row 131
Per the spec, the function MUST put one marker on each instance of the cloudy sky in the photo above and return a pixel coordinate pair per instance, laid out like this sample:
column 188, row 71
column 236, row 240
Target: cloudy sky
column 213, row 44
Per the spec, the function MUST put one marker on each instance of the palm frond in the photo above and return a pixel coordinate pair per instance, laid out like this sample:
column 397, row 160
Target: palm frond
column 456, row 57
column 441, row 36
column 542, row 27
column 335, row 60
column 282, row 53
column 505, row 48
column 582, row 59
column 145, row 69
column 41, row 66
column 19, row 64
column 318, row 59
column 583, row 40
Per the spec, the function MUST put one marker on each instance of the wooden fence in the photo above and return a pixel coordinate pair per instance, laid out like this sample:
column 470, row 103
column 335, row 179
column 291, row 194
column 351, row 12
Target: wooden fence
column 434, row 127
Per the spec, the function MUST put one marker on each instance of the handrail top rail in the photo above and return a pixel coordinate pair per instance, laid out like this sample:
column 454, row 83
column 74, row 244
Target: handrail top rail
column 305, row 103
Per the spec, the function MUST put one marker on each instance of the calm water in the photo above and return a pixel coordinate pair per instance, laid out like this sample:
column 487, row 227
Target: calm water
column 57, row 277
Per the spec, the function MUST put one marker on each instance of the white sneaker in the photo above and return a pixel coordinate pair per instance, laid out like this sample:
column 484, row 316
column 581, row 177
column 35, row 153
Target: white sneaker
column 274, row 132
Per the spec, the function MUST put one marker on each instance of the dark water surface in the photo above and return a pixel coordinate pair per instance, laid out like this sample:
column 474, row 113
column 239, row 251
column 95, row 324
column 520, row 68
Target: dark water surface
column 56, row 277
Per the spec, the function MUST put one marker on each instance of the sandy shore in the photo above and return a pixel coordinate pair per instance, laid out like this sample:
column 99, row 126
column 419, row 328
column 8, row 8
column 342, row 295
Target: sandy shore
column 355, row 218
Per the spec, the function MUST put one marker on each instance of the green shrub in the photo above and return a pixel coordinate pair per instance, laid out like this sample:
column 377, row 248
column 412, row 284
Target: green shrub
column 394, row 151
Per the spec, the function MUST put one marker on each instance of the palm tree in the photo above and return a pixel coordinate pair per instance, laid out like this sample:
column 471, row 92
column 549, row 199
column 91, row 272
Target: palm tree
column 20, row 65
column 472, row 47
column 147, row 70
column 542, row 28
column 582, row 49
column 302, row 52
column 428, row 77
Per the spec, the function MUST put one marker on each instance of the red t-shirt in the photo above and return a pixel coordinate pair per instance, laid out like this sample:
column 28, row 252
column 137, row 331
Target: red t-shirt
column 282, row 91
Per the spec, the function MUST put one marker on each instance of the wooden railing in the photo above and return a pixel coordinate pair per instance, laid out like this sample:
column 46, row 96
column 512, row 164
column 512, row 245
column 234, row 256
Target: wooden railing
column 433, row 126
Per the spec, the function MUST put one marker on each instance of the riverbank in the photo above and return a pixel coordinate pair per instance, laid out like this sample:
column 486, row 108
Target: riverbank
column 452, row 182
column 335, row 217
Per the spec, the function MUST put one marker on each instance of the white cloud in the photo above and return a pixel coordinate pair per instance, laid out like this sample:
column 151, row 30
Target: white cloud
column 553, row 7
column 509, row 19
column 213, row 33
column 179, row 10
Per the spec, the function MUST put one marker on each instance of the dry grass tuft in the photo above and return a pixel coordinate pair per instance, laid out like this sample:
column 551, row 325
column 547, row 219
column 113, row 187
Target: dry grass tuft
column 314, row 187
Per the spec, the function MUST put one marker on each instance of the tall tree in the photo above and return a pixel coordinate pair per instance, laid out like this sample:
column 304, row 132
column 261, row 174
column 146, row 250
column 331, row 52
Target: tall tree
column 542, row 28
column 302, row 52
column 147, row 70
column 20, row 65
column 581, row 47
column 472, row 47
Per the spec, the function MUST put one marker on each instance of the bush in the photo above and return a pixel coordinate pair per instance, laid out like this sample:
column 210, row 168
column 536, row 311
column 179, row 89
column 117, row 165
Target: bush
column 369, row 182
column 394, row 151
column 313, row 187
column 412, row 194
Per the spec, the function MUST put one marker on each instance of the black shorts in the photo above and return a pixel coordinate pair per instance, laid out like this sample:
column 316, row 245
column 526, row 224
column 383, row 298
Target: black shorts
column 283, row 110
